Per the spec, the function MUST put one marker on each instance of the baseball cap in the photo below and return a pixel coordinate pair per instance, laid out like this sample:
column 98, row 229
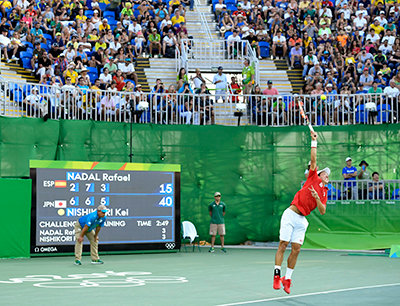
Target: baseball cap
column 327, row 170
column 380, row 72
column 348, row 158
column 217, row 194
column 220, row 68
column 269, row 82
column 382, row 12
column 363, row 162
column 329, row 85
column 169, row 22
column 102, row 208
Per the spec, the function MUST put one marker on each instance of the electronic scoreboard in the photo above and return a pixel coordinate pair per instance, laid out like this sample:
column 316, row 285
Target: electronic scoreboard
column 143, row 202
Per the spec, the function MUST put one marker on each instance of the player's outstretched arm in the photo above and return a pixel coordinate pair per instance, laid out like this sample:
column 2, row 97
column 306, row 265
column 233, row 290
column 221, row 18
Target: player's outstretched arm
column 313, row 165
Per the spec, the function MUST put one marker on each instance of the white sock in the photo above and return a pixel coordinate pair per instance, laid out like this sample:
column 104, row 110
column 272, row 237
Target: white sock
column 288, row 274
column 277, row 267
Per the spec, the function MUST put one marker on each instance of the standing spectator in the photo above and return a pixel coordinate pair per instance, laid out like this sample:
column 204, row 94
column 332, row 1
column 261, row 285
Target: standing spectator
column 270, row 91
column 217, row 211
column 235, row 90
column 198, row 79
column 363, row 175
column 221, row 83
column 349, row 174
column 248, row 76
column 310, row 60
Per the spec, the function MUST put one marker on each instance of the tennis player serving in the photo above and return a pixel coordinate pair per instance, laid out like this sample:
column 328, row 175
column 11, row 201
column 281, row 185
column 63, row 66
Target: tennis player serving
column 294, row 224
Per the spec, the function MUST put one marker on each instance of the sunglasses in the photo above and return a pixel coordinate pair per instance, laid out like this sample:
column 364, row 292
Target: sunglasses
column 218, row 196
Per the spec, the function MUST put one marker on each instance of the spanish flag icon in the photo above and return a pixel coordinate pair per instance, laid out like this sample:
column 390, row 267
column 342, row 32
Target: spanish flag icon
column 60, row 184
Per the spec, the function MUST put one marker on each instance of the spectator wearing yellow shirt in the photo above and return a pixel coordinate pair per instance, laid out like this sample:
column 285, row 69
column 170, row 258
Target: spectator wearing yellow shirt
column 5, row 5
column 81, row 16
column 104, row 27
column 100, row 44
column 177, row 19
column 71, row 73
column 377, row 27
column 127, row 10
column 173, row 5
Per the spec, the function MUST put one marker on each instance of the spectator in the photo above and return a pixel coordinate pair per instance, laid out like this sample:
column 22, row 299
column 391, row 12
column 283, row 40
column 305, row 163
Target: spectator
column 221, row 84
column 296, row 57
column 128, row 70
column 392, row 90
column 279, row 45
column 309, row 61
column 375, row 188
column 234, row 44
column 363, row 175
column 169, row 43
column 349, row 174
column 198, row 80
column 234, row 90
column 248, row 76
column 119, row 80
column 154, row 42
column 366, row 79
column 278, row 111
column 270, row 91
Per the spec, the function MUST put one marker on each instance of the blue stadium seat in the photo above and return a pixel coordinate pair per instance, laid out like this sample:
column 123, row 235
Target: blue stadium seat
column 48, row 37
column 93, row 76
column 231, row 7
column 230, row 2
column 108, row 14
column 102, row 6
column 26, row 54
column 227, row 33
column 45, row 46
column 26, row 63
column 27, row 43
column 89, row 13
column 383, row 112
column 361, row 114
column 396, row 194
column 92, row 69
column 264, row 48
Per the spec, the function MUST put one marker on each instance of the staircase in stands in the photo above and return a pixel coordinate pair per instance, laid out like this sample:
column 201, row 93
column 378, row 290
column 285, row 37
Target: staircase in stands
column 12, row 72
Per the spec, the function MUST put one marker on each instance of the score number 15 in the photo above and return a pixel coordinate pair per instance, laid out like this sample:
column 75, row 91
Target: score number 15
column 166, row 188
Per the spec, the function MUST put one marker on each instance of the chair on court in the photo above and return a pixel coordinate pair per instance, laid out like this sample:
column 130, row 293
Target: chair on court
column 189, row 233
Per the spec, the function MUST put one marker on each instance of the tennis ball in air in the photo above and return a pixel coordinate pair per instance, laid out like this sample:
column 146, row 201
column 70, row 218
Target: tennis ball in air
column 323, row 97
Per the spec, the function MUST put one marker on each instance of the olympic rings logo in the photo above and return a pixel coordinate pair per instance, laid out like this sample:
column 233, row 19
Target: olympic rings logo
column 108, row 279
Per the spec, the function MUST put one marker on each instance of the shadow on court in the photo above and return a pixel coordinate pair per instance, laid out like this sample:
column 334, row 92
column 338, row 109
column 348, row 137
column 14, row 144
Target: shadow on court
column 240, row 277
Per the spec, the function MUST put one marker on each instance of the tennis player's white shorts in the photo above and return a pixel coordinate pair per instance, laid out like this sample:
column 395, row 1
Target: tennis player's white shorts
column 293, row 227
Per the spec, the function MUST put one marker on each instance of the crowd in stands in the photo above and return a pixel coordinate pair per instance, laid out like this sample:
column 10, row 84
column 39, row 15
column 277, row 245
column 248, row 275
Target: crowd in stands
column 342, row 46
column 88, row 40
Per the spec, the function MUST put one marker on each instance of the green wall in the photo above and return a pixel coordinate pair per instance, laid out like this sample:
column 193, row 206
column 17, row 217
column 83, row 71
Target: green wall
column 257, row 169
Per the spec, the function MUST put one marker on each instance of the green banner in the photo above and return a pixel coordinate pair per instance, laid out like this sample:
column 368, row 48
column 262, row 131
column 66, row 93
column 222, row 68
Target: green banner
column 258, row 170
column 15, row 207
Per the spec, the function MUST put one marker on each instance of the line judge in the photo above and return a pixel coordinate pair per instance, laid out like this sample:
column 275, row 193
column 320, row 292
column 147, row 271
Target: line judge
column 89, row 226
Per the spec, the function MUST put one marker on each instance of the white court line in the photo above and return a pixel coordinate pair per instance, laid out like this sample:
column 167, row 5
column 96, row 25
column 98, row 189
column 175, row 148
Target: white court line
column 310, row 294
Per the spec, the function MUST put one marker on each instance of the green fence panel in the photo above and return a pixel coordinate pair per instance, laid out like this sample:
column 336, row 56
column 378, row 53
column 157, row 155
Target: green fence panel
column 15, row 207
column 257, row 169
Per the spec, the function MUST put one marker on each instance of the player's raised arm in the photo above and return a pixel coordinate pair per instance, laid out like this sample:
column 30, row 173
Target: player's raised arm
column 313, row 151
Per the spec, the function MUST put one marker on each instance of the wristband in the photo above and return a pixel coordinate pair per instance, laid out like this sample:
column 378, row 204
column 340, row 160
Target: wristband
column 314, row 143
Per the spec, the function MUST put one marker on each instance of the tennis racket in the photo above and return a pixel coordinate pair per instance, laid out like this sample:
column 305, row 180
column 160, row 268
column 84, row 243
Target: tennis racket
column 303, row 114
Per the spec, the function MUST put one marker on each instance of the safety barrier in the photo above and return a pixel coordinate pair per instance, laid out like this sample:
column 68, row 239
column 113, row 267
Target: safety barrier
column 71, row 102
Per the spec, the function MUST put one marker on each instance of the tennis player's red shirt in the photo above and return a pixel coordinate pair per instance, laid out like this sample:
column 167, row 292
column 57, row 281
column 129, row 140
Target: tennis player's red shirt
column 303, row 199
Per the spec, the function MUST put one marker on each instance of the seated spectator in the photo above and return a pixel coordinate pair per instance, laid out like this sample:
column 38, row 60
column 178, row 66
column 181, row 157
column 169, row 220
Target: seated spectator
column 119, row 80
column 391, row 90
column 253, row 41
column 296, row 57
column 169, row 43
column 154, row 43
column 279, row 45
column 198, row 80
column 278, row 111
column 128, row 70
column 234, row 45
column 375, row 188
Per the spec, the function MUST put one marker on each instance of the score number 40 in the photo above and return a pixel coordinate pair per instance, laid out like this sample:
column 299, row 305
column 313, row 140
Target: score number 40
column 166, row 201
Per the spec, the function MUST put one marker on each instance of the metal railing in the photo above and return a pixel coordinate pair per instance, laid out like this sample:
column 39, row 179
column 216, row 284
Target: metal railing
column 363, row 190
column 208, row 54
column 69, row 102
